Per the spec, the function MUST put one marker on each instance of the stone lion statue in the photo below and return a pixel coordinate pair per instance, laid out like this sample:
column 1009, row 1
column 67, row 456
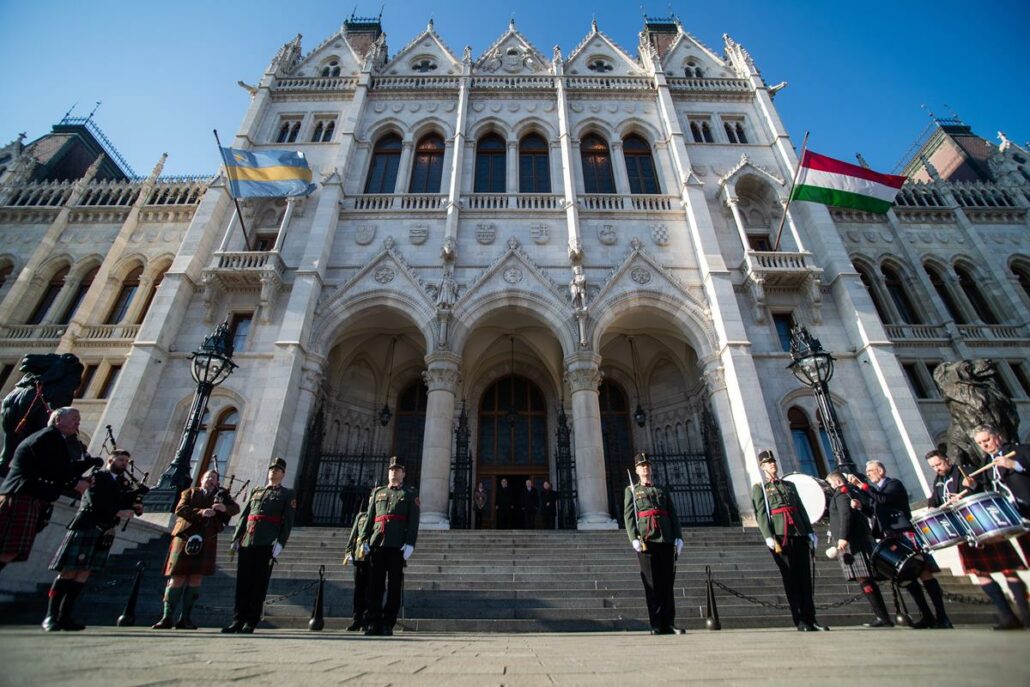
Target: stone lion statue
column 974, row 397
column 49, row 383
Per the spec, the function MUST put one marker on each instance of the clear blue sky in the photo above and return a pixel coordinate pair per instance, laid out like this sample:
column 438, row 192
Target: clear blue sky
column 166, row 72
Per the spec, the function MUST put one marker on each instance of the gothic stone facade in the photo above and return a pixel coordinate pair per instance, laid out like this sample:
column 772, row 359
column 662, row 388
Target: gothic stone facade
column 514, row 223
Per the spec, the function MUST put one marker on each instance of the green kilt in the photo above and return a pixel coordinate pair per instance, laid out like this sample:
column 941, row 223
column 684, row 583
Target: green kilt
column 83, row 550
column 179, row 562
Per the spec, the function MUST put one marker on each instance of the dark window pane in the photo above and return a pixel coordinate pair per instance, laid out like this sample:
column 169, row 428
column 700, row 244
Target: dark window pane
column 112, row 378
column 520, row 448
column 503, row 442
column 784, row 323
column 486, row 441
column 538, row 437
column 519, row 399
column 382, row 173
column 597, row 166
column 490, row 165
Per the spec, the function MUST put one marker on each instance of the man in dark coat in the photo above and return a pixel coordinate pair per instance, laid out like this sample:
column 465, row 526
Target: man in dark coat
column 549, row 506
column 504, row 505
column 885, row 500
column 530, row 505
column 45, row 465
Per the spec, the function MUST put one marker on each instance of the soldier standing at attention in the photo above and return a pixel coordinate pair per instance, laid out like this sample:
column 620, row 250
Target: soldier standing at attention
column 389, row 533
column 355, row 555
column 261, row 533
column 654, row 531
column 788, row 534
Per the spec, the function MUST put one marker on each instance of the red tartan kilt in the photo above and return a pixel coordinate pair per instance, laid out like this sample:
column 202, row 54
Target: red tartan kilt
column 19, row 517
column 178, row 563
column 993, row 557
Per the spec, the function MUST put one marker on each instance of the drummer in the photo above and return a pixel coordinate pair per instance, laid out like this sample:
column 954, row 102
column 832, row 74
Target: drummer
column 885, row 500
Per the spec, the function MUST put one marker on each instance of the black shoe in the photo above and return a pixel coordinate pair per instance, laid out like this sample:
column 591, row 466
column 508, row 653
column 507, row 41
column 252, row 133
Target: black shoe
column 50, row 624
column 924, row 623
column 662, row 631
column 355, row 626
column 247, row 629
column 185, row 624
column 165, row 623
column 805, row 627
column 817, row 626
column 388, row 632
column 69, row 625
column 1012, row 624
column 374, row 632
column 944, row 624
column 232, row 629
column 879, row 622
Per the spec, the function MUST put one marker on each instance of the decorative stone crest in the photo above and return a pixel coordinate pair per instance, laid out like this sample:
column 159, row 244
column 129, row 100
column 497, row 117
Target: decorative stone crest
column 486, row 233
column 418, row 233
column 540, row 234
column 607, row 235
column 365, row 234
column 640, row 275
column 384, row 274
column 513, row 275
column 660, row 234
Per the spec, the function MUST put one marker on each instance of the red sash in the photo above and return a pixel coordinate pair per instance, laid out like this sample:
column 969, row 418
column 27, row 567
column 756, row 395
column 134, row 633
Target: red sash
column 652, row 519
column 383, row 519
column 788, row 514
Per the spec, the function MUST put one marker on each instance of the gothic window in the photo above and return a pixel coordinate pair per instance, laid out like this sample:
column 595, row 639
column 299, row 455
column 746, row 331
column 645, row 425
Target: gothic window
column 218, row 447
column 49, row 296
column 121, row 304
column 944, row 293
column 239, row 330
column 734, row 131
column 112, row 378
column 976, row 298
column 80, row 293
column 386, row 157
column 899, row 294
column 915, row 381
column 409, row 429
column 331, row 69
column 784, row 323
column 874, row 294
column 597, row 165
column 701, row 131
column 427, row 167
column 284, row 133
column 534, row 165
column 150, row 296
column 490, row 165
column 323, row 132
column 84, row 381
column 424, row 66
column 692, row 70
column 810, row 459
column 599, row 65
column 294, row 132
column 1021, row 272
column 639, row 165
column 513, row 426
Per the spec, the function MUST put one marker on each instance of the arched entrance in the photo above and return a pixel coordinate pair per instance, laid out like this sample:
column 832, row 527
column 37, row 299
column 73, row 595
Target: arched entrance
column 512, row 444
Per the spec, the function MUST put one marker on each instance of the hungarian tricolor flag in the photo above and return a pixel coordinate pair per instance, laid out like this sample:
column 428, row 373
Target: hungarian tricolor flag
column 824, row 180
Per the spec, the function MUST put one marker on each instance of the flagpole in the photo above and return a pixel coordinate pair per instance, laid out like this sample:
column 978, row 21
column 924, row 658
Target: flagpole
column 790, row 195
column 239, row 211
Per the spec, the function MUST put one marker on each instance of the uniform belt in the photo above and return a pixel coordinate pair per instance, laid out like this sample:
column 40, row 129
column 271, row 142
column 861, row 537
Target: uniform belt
column 383, row 519
column 788, row 514
column 652, row 519
column 274, row 519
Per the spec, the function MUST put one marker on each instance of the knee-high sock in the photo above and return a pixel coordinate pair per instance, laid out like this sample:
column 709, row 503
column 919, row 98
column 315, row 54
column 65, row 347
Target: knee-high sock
column 55, row 596
column 1019, row 593
column 933, row 588
column 171, row 600
column 994, row 593
column 872, row 593
column 188, row 599
column 70, row 597
column 916, row 592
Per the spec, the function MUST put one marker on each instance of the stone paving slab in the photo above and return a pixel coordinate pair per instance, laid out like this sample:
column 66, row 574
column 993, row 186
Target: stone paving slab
column 131, row 657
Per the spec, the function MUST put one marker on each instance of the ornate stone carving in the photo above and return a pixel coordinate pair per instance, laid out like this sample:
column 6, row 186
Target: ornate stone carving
column 583, row 377
column 365, row 234
column 607, row 235
column 513, row 275
column 486, row 233
column 660, row 234
column 540, row 233
column 640, row 275
column 384, row 274
column 418, row 234
column 442, row 375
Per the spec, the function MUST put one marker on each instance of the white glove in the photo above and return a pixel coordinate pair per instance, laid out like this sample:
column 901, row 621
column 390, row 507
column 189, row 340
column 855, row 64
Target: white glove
column 366, row 549
column 771, row 543
column 638, row 546
column 407, row 550
column 277, row 549
column 814, row 538
column 235, row 546
column 679, row 546
column 350, row 558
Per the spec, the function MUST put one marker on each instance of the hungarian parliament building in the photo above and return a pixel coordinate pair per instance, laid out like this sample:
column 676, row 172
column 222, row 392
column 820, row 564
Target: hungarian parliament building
column 524, row 264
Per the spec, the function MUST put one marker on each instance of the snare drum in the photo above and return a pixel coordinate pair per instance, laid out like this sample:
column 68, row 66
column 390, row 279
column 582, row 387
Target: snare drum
column 939, row 527
column 896, row 559
column 989, row 517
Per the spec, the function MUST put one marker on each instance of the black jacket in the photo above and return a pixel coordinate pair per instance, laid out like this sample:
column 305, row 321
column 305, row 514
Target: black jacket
column 530, row 499
column 548, row 499
column 1017, row 482
column 101, row 502
column 45, row 465
column 888, row 507
column 952, row 483
column 848, row 523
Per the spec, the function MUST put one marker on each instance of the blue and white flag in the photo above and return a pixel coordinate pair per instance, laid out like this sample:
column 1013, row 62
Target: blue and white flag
column 267, row 173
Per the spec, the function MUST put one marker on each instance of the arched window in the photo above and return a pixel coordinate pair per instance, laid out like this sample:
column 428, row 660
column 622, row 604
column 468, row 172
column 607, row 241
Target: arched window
column 284, row 133
column 386, row 157
column 330, row 129
column 427, row 167
column 217, row 448
column 597, row 165
column 409, row 430
column 490, row 165
column 1021, row 272
column 617, row 441
column 976, row 298
column 693, row 71
column 639, row 165
column 898, row 293
column 867, row 281
column 534, row 166
column 695, row 132
column 121, row 304
column 810, row 460
column 513, row 426
column 294, row 132
column 5, row 274
column 316, row 135
column 944, row 293
column 150, row 296
column 331, row 69
column 80, row 293
column 49, row 296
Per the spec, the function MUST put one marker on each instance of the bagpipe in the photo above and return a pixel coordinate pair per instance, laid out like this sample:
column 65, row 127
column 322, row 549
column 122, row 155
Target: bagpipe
column 133, row 485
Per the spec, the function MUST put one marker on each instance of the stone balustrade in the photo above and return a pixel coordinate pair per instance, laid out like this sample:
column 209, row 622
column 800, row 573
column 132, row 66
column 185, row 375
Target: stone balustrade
column 41, row 194
column 249, row 261
column 32, row 332
column 680, row 84
column 780, row 268
column 384, row 202
column 627, row 203
column 518, row 82
column 316, row 84
column 992, row 332
column 111, row 193
column 109, row 332
column 916, row 332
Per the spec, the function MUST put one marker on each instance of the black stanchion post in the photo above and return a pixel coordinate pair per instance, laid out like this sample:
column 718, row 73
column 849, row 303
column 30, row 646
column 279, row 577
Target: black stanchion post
column 128, row 616
column 317, row 621
column 711, row 609
column 901, row 616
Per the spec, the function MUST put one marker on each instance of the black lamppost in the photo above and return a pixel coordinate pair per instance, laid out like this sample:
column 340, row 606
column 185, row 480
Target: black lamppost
column 639, row 416
column 813, row 367
column 210, row 366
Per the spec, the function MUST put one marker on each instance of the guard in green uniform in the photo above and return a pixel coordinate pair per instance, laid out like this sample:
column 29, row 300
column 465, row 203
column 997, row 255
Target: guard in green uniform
column 389, row 534
column 261, row 533
column 654, row 531
column 354, row 555
column 784, row 524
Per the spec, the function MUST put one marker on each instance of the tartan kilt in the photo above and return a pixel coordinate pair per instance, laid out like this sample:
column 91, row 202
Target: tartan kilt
column 860, row 568
column 83, row 550
column 1000, row 556
column 19, row 517
column 179, row 563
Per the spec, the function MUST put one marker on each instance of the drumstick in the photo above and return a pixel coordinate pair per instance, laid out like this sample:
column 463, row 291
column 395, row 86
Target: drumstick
column 990, row 465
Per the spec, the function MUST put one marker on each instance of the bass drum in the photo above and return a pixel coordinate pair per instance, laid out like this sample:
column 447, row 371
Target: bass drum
column 814, row 492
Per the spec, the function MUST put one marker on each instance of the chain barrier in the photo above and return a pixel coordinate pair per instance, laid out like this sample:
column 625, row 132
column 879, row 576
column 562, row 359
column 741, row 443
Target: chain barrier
column 783, row 607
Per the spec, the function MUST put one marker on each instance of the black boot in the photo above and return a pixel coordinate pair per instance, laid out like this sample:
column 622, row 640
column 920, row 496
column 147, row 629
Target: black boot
column 53, row 610
column 355, row 625
column 1007, row 620
column 933, row 588
column 68, row 605
column 872, row 593
column 1019, row 594
column 927, row 619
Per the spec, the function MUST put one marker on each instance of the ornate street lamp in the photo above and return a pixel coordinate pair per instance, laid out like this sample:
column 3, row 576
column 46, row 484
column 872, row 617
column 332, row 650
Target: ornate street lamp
column 512, row 414
column 385, row 414
column 210, row 366
column 813, row 367
column 639, row 416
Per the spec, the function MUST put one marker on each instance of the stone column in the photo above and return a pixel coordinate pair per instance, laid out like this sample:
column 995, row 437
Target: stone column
column 619, row 169
column 583, row 377
column 511, row 182
column 442, row 378
column 404, row 167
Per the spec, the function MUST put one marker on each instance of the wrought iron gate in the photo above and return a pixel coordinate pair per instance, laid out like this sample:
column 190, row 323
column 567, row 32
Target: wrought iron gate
column 340, row 487
column 565, row 465
column 461, row 472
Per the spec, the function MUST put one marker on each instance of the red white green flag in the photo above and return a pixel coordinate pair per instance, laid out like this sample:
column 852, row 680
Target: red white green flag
column 824, row 180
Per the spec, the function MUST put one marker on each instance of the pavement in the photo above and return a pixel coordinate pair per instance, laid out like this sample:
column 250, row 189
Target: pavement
column 117, row 657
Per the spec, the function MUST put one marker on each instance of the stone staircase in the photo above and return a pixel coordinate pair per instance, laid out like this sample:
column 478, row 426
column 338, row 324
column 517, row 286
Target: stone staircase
column 497, row 581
